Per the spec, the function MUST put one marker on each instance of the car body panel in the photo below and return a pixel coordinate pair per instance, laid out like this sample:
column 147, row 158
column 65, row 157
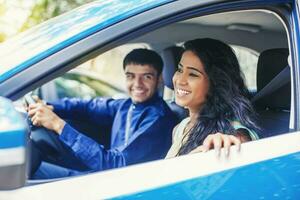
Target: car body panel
column 13, row 139
column 274, row 178
column 295, row 62
column 183, row 172
column 10, row 123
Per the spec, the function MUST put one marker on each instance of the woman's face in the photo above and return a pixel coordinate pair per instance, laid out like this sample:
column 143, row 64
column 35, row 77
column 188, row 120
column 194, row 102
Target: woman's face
column 191, row 82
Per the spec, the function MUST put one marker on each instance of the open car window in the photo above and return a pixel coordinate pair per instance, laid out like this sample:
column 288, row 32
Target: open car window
column 101, row 76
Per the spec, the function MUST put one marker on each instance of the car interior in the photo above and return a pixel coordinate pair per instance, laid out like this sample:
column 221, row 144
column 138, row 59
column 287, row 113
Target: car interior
column 260, row 32
column 260, row 40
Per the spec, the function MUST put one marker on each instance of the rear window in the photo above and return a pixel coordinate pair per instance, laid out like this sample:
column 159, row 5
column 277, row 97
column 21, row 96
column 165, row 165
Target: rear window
column 248, row 61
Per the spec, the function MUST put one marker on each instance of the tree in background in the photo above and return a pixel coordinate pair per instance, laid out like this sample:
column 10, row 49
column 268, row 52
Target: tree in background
column 46, row 9
column 2, row 11
column 19, row 15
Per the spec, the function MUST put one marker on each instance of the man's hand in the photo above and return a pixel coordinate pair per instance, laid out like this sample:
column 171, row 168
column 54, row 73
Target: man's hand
column 43, row 115
column 36, row 100
column 217, row 141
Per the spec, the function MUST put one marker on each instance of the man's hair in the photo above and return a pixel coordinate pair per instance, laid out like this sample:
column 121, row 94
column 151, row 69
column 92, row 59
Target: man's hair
column 144, row 57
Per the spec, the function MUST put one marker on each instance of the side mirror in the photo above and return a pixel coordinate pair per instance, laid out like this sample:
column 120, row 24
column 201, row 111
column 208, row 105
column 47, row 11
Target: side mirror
column 13, row 153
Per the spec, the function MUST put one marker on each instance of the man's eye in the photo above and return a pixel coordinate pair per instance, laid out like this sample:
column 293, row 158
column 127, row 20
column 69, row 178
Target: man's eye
column 148, row 77
column 129, row 76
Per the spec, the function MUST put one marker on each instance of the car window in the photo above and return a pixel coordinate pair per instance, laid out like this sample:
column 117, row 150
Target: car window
column 108, row 66
column 83, row 86
column 248, row 61
column 101, row 76
column 73, row 88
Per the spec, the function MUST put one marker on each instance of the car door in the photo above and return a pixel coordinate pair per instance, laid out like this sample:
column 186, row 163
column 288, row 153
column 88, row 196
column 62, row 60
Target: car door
column 264, row 169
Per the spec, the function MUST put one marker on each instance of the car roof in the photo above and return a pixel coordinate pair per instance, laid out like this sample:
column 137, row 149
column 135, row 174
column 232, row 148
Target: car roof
column 257, row 29
column 62, row 31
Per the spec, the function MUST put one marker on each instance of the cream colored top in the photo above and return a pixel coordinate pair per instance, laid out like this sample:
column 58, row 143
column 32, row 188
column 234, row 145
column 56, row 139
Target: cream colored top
column 178, row 136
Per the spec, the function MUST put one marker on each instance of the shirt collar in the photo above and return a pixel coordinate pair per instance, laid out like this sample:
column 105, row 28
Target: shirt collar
column 150, row 101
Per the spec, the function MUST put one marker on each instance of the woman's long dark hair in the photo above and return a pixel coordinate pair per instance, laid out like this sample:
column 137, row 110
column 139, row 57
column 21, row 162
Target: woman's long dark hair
column 226, row 100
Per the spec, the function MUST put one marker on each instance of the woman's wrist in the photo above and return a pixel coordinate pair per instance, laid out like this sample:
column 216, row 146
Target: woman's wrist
column 243, row 135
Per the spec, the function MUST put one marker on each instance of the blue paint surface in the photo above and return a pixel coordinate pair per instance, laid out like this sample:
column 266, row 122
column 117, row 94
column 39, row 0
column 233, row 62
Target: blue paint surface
column 277, row 178
column 12, row 126
column 50, row 37
column 11, row 139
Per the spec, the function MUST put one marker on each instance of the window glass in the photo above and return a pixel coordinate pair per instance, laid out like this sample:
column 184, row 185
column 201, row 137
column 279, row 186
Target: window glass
column 100, row 76
column 109, row 65
column 248, row 61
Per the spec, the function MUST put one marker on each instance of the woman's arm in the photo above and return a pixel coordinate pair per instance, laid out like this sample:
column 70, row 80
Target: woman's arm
column 243, row 135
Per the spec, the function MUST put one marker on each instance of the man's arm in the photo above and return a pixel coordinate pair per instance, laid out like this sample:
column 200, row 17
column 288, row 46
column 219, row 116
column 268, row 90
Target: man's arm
column 92, row 110
column 92, row 154
column 152, row 142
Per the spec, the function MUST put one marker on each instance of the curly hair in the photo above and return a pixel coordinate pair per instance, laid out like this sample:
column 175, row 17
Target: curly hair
column 226, row 100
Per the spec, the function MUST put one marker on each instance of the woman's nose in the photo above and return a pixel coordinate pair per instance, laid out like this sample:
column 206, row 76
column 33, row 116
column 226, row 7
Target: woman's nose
column 181, row 79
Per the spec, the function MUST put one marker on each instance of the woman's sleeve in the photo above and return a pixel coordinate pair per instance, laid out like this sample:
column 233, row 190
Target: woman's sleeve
column 253, row 135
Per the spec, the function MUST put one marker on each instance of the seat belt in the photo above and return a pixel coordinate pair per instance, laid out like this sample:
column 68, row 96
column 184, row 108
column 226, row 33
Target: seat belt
column 278, row 81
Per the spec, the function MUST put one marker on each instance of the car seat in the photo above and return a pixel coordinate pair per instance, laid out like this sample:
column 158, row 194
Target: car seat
column 273, row 107
column 171, row 57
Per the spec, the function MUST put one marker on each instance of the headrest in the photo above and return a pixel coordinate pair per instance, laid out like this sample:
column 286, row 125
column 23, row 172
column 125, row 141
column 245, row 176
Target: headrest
column 171, row 57
column 270, row 63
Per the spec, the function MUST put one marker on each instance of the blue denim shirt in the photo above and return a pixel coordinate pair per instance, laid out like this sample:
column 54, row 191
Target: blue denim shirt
column 149, row 138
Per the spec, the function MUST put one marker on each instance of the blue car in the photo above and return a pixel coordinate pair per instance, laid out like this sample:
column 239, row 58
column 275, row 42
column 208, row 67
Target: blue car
column 266, row 38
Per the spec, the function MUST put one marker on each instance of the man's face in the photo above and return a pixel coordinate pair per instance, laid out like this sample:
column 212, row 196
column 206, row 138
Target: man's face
column 141, row 82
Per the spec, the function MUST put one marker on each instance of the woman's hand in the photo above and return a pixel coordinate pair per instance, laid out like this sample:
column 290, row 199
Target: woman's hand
column 43, row 115
column 218, row 141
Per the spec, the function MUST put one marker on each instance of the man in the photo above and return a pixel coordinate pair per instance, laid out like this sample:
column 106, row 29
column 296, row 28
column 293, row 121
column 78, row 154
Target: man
column 141, row 125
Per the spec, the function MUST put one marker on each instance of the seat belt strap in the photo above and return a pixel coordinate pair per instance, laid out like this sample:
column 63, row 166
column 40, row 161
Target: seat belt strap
column 278, row 81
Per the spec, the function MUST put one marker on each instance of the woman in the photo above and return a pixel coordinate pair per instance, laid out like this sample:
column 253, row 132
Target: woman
column 209, row 84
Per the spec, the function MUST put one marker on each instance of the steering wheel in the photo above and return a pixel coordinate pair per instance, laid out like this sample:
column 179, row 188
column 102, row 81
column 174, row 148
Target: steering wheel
column 50, row 147
column 46, row 140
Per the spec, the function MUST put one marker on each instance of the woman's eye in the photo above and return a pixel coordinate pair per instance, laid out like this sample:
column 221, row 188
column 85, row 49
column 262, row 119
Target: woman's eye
column 194, row 75
column 179, row 70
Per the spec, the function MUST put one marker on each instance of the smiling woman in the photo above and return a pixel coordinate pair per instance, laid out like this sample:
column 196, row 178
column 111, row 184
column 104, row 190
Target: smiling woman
column 208, row 83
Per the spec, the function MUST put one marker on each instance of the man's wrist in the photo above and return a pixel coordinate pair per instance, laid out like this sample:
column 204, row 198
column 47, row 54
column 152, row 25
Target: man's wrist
column 59, row 126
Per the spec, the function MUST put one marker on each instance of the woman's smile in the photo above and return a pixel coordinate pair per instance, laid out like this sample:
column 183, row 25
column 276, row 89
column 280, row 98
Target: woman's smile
column 182, row 92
